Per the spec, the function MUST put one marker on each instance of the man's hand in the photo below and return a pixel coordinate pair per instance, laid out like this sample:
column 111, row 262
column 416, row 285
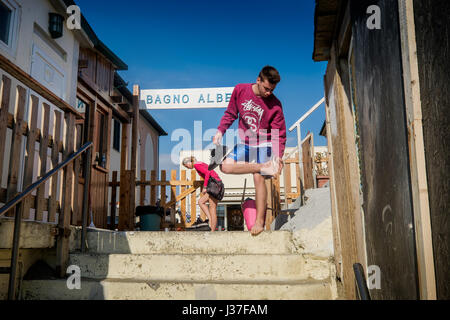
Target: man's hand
column 217, row 138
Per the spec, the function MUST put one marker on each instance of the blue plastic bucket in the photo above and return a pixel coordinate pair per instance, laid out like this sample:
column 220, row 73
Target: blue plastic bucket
column 150, row 222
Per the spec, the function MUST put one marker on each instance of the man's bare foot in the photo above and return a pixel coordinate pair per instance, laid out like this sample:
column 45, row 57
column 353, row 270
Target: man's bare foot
column 270, row 168
column 257, row 229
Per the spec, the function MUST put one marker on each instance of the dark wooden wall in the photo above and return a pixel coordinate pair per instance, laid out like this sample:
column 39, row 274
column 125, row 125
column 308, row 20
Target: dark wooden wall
column 432, row 20
column 97, row 69
column 379, row 100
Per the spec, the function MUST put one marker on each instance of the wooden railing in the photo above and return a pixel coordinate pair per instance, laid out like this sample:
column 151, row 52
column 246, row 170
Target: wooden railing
column 163, row 187
column 159, row 189
column 46, row 204
column 31, row 114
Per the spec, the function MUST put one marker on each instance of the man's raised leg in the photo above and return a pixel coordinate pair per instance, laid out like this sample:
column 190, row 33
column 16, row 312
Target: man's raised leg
column 230, row 166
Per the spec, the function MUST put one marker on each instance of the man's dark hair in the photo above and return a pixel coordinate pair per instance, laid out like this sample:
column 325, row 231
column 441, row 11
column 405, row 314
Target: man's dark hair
column 270, row 74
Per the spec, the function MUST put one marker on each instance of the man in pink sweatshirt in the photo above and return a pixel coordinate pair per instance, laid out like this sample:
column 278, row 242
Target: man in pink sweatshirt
column 262, row 131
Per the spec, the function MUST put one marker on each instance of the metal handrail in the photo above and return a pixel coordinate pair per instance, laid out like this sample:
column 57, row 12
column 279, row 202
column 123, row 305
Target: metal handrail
column 17, row 202
column 47, row 176
column 307, row 114
column 297, row 125
column 361, row 284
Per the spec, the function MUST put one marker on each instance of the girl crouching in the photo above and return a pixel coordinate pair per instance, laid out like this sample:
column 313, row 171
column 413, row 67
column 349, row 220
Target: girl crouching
column 212, row 190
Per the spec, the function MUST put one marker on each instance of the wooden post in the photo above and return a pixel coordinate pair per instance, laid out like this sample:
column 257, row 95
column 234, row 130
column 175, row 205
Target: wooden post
column 193, row 200
column 183, row 201
column 77, row 217
column 126, row 220
column 153, row 188
column 173, row 194
column 43, row 157
column 16, row 146
column 124, row 189
column 62, row 252
column 135, row 128
column 124, row 147
column 287, row 184
column 418, row 172
column 55, row 161
column 33, row 135
column 298, row 178
column 113, row 200
column 269, row 200
column 308, row 163
column 4, row 112
column 142, row 188
column 275, row 200
column 130, row 194
column 163, row 188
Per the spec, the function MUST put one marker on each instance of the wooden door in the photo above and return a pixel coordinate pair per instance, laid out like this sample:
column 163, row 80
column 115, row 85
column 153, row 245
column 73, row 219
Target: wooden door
column 100, row 169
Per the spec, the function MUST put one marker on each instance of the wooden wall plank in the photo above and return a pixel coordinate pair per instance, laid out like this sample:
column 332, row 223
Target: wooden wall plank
column 430, row 122
column 333, row 191
column 108, row 129
column 103, row 212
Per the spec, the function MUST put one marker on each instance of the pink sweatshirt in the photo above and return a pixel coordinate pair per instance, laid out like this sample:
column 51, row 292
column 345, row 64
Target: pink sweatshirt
column 202, row 169
column 261, row 120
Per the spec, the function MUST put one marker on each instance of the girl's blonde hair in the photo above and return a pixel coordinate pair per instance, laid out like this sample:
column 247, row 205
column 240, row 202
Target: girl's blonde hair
column 188, row 159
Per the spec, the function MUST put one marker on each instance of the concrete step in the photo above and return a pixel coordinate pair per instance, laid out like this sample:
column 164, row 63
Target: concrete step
column 110, row 289
column 269, row 242
column 201, row 267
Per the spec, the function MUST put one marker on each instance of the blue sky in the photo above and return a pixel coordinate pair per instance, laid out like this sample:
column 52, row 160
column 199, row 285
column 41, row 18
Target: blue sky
column 202, row 44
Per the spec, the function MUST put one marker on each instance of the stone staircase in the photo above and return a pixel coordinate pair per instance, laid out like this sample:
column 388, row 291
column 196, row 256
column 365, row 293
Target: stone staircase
column 191, row 265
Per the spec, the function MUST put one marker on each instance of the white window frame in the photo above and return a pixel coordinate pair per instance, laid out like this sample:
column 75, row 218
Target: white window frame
column 11, row 47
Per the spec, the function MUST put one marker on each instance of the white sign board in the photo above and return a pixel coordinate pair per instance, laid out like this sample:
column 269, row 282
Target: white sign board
column 186, row 98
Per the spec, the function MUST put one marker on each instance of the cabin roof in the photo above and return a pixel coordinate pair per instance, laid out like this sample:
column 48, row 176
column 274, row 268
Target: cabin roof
column 325, row 18
column 98, row 44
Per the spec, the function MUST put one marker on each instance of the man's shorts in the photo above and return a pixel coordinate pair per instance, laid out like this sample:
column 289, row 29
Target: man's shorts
column 245, row 153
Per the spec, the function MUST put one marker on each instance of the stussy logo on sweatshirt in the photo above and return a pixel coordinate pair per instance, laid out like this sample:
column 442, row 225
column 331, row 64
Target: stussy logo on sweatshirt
column 252, row 114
